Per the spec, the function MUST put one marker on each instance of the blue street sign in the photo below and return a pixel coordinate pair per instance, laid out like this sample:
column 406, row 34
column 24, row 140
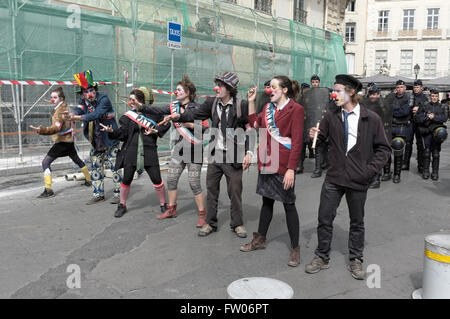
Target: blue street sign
column 174, row 35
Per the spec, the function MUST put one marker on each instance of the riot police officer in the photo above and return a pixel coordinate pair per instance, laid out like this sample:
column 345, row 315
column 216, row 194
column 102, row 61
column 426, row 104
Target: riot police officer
column 417, row 99
column 401, row 125
column 374, row 103
column 430, row 119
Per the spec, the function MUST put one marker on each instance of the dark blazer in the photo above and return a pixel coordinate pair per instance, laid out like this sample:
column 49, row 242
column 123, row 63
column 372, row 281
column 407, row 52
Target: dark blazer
column 204, row 112
column 364, row 160
column 128, row 133
column 290, row 124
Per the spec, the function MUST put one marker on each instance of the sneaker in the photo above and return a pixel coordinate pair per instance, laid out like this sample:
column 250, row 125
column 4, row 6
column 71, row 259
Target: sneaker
column 316, row 265
column 115, row 200
column 47, row 193
column 240, row 231
column 95, row 200
column 206, row 230
column 356, row 268
column 121, row 210
column 86, row 183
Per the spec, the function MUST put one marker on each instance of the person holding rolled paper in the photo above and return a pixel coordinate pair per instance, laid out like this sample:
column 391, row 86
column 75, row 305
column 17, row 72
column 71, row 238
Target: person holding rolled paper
column 283, row 119
column 61, row 131
column 137, row 128
column 358, row 150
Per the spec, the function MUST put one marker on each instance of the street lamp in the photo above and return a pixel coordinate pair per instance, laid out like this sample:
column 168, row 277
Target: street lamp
column 416, row 70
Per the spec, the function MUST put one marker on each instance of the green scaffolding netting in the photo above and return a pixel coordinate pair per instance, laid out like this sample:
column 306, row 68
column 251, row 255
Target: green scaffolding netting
column 52, row 40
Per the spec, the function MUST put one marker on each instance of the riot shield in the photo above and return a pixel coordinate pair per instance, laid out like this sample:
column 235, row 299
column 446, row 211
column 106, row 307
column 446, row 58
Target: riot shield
column 316, row 102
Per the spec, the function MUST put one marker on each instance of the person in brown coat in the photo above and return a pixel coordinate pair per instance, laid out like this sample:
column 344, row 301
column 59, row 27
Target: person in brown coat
column 62, row 134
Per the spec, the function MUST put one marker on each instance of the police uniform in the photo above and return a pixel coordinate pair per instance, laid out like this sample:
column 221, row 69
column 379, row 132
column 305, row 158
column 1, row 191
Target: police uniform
column 433, row 133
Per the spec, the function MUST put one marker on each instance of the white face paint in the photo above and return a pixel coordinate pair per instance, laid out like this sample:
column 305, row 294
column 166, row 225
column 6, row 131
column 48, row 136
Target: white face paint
column 342, row 96
column 55, row 98
column 181, row 94
column 277, row 91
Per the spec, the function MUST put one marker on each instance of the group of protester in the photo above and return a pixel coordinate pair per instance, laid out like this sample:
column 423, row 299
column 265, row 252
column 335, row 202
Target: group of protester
column 351, row 135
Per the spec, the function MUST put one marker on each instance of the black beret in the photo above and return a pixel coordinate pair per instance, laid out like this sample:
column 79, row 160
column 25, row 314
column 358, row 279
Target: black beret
column 349, row 80
column 374, row 90
column 315, row 77
column 400, row 82
column 418, row 82
column 434, row 91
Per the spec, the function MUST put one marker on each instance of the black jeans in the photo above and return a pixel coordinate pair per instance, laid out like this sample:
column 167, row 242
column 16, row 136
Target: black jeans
column 330, row 199
column 233, row 175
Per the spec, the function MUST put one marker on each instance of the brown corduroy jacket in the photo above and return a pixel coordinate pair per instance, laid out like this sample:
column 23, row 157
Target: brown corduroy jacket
column 59, row 125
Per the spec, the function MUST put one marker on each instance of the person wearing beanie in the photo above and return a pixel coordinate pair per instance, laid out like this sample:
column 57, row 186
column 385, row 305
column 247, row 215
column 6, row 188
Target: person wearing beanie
column 61, row 131
column 358, row 151
column 227, row 113
column 138, row 128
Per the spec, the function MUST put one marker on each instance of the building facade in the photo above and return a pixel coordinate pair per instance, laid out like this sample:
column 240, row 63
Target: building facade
column 396, row 36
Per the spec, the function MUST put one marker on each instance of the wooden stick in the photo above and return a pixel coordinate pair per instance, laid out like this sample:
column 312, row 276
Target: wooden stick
column 124, row 102
column 315, row 137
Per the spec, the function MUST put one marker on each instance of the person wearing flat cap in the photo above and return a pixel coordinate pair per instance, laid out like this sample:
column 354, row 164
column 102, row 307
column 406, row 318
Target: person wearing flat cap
column 358, row 150
column 228, row 155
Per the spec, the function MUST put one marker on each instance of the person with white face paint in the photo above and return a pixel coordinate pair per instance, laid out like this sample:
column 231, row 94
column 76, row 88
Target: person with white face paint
column 62, row 134
column 185, row 100
column 283, row 118
column 358, row 151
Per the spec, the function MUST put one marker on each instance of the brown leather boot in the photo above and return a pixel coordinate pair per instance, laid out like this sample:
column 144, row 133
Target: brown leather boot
column 201, row 218
column 258, row 242
column 294, row 259
column 171, row 212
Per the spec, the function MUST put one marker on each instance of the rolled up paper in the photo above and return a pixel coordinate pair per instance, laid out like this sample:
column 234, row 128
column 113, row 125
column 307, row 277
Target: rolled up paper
column 315, row 136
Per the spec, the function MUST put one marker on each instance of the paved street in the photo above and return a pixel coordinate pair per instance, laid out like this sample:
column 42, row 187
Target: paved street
column 138, row 256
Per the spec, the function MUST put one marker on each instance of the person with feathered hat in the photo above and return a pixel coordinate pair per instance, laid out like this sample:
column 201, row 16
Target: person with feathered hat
column 94, row 109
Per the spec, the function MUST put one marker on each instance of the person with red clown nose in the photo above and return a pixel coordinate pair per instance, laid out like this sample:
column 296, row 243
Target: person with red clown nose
column 62, row 134
column 94, row 109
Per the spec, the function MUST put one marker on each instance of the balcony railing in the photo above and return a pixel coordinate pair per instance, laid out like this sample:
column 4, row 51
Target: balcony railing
column 300, row 15
column 264, row 6
column 407, row 33
column 431, row 32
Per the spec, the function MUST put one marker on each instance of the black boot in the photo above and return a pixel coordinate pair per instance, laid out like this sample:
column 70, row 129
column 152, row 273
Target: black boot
column 407, row 157
column 302, row 159
column 387, row 175
column 121, row 210
column 397, row 168
column 419, row 158
column 318, row 161
column 435, row 166
column 426, row 157
column 376, row 182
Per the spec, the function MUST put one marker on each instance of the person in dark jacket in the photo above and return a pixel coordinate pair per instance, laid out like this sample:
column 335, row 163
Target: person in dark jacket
column 228, row 155
column 137, row 128
column 402, row 130
column 416, row 100
column 374, row 103
column 184, row 151
column 358, row 151
column 283, row 118
column 430, row 119
column 94, row 109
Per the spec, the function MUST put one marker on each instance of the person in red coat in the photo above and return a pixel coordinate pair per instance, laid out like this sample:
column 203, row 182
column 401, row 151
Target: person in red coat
column 281, row 138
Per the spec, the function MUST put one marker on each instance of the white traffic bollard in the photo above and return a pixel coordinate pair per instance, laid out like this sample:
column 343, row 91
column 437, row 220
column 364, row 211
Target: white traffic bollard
column 259, row 288
column 436, row 268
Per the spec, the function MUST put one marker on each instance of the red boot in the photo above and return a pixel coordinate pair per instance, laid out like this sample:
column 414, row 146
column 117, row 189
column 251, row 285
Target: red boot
column 201, row 218
column 171, row 212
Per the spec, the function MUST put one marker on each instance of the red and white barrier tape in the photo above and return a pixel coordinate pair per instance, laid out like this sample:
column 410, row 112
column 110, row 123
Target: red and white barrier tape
column 13, row 82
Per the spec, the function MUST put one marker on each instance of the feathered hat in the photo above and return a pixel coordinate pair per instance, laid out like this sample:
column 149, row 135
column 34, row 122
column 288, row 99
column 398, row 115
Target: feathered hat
column 85, row 80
